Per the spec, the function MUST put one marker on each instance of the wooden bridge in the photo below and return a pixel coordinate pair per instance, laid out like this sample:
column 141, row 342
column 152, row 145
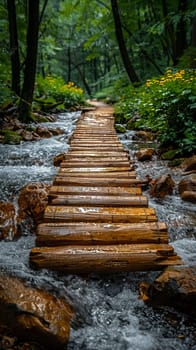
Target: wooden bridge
column 97, row 219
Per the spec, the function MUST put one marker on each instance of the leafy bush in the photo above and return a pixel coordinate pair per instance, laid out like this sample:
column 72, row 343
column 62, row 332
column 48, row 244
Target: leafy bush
column 53, row 90
column 10, row 136
column 6, row 96
column 166, row 105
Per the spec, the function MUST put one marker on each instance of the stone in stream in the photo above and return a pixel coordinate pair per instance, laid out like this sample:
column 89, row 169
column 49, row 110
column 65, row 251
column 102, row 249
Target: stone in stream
column 34, row 315
column 143, row 135
column 175, row 286
column 189, row 164
column 43, row 132
column 145, row 154
column 58, row 159
column 187, row 188
column 7, row 221
column 32, row 201
column 162, row 186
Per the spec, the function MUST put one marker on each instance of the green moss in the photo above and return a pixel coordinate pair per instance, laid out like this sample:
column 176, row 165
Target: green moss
column 40, row 119
column 11, row 137
column 131, row 124
column 169, row 155
column 175, row 162
column 119, row 118
column 30, row 128
column 120, row 128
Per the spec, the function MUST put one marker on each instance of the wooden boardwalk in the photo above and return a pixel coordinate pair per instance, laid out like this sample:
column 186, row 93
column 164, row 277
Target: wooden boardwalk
column 97, row 219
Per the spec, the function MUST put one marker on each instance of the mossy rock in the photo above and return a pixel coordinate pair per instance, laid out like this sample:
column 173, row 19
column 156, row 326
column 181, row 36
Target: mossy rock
column 120, row 128
column 119, row 117
column 11, row 137
column 175, row 162
column 30, row 128
column 39, row 119
column 170, row 155
column 131, row 124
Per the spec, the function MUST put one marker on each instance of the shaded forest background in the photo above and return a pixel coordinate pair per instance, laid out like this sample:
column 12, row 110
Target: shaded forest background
column 80, row 49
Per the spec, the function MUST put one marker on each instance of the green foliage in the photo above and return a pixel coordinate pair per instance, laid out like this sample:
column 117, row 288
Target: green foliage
column 120, row 128
column 166, row 105
column 53, row 90
column 6, row 96
column 10, row 137
column 188, row 59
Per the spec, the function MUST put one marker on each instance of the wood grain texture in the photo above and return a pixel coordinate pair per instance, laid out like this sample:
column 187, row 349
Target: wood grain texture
column 59, row 234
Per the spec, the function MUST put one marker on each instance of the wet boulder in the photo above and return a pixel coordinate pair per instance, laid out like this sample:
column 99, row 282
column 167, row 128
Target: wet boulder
column 32, row 201
column 187, row 188
column 143, row 136
column 145, row 154
column 175, row 286
column 34, row 315
column 27, row 135
column 7, row 221
column 43, row 132
column 162, row 186
column 58, row 159
column 189, row 165
column 56, row 131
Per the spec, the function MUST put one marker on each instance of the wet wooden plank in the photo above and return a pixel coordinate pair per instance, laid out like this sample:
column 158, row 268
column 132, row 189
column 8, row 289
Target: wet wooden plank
column 58, row 234
column 98, row 214
column 103, row 169
column 97, row 158
column 117, row 153
column 105, row 175
column 92, row 142
column 82, row 163
column 97, row 148
column 89, row 136
column 75, row 181
column 96, row 200
column 102, row 191
column 104, row 258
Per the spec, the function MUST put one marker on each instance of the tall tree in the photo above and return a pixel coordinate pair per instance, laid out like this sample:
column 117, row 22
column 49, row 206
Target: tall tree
column 14, row 48
column 121, row 43
column 30, row 62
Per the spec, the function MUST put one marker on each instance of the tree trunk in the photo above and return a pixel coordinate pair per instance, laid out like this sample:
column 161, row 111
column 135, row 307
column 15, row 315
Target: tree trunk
column 121, row 43
column 82, row 75
column 193, row 36
column 69, row 62
column 30, row 63
column 14, row 49
column 181, row 42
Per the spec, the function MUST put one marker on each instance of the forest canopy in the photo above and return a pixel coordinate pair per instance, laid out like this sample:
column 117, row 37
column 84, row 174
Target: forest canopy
column 92, row 49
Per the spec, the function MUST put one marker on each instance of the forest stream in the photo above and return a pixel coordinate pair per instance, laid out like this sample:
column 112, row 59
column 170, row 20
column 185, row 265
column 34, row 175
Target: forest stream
column 110, row 316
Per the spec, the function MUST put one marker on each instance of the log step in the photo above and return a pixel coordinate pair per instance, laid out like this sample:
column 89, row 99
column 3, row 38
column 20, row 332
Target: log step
column 91, row 158
column 104, row 258
column 63, row 181
column 97, row 149
column 97, row 153
column 101, row 191
column 80, row 163
column 94, row 143
column 101, row 169
column 65, row 173
column 58, row 234
column 96, row 200
column 97, row 214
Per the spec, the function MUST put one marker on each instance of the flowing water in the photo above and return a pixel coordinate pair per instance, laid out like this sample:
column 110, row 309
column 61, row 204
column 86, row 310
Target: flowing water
column 109, row 315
